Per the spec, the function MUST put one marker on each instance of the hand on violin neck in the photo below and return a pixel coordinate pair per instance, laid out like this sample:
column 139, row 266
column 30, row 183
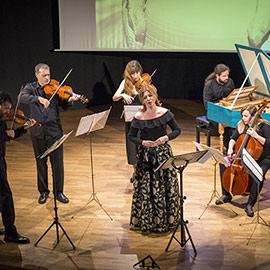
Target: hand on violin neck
column 10, row 133
column 74, row 97
column 29, row 123
column 45, row 102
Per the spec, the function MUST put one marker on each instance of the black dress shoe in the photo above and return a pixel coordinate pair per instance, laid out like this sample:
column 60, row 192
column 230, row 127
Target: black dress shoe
column 249, row 210
column 43, row 198
column 17, row 238
column 223, row 199
column 2, row 231
column 62, row 198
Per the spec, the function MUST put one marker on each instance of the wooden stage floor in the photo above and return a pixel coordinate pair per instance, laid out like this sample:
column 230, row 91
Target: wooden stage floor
column 102, row 243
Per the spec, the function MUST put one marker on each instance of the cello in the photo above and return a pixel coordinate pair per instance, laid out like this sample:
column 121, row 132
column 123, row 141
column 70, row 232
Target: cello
column 236, row 179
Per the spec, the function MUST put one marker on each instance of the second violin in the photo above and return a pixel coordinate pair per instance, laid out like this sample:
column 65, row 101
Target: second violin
column 17, row 117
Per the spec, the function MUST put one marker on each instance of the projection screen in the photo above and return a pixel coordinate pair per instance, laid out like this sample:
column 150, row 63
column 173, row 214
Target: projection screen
column 163, row 25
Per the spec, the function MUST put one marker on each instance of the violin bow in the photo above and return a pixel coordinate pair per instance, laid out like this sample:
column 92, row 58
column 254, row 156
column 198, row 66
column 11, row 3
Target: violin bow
column 153, row 73
column 16, row 108
column 60, row 85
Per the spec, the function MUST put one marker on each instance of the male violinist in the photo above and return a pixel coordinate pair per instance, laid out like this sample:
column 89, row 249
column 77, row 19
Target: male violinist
column 7, row 207
column 261, row 133
column 47, row 113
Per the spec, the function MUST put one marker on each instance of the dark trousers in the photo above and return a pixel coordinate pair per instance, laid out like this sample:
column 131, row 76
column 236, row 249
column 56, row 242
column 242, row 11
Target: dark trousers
column 264, row 164
column 7, row 208
column 56, row 160
column 222, row 169
column 254, row 188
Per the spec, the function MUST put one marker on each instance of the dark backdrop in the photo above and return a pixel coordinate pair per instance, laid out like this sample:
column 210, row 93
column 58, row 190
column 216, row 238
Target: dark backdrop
column 28, row 36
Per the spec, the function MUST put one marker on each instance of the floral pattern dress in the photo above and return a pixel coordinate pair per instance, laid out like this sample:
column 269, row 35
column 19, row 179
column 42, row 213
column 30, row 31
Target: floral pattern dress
column 155, row 202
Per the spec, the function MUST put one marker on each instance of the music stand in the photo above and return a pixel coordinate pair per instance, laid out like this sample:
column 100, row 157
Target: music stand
column 56, row 221
column 130, row 111
column 142, row 262
column 218, row 158
column 256, row 173
column 180, row 162
column 87, row 125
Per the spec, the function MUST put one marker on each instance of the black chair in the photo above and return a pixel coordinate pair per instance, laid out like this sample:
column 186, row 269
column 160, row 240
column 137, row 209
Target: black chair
column 205, row 127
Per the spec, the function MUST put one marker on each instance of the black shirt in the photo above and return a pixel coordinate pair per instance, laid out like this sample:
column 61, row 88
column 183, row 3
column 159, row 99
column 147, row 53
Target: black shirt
column 49, row 118
column 264, row 131
column 214, row 91
column 152, row 129
column 3, row 139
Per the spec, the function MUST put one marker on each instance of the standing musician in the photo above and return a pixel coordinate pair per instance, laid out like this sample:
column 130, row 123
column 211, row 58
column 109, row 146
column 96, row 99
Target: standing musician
column 260, row 132
column 130, row 96
column 47, row 113
column 7, row 208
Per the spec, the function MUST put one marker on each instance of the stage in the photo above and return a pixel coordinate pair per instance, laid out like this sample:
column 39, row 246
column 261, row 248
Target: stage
column 102, row 243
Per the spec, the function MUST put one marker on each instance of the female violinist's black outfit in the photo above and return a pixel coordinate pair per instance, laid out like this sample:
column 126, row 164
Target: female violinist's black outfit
column 264, row 160
column 131, row 147
column 155, row 200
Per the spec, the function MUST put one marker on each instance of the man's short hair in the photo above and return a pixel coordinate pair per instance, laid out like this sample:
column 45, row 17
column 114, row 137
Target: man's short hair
column 41, row 65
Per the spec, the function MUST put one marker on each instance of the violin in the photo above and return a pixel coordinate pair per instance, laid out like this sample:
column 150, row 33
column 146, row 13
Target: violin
column 64, row 92
column 145, row 79
column 236, row 179
column 18, row 118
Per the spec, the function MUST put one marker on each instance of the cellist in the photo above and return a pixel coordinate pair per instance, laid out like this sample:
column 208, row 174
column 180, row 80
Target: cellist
column 261, row 133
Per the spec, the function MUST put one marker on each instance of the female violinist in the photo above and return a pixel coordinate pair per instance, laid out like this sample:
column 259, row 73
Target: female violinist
column 130, row 96
column 261, row 133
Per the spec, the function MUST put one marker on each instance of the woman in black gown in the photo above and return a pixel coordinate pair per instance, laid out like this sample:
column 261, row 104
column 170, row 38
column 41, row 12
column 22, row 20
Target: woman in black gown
column 156, row 194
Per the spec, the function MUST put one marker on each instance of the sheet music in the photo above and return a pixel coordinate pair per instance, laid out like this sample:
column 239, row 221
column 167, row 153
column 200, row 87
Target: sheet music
column 85, row 124
column 55, row 145
column 100, row 120
column 92, row 122
column 130, row 111
column 181, row 160
column 215, row 153
column 205, row 157
column 252, row 166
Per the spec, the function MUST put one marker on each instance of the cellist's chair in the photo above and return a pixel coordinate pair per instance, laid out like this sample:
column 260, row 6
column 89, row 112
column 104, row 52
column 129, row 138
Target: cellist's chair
column 205, row 127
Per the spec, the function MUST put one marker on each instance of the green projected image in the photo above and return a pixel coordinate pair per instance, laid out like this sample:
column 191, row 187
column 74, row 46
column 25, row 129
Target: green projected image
column 193, row 25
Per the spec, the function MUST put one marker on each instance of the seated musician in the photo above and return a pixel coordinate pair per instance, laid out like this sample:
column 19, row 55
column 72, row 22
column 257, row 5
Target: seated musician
column 217, row 86
column 261, row 133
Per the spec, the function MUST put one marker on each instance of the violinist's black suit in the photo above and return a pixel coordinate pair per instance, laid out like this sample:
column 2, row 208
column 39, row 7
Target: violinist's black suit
column 8, row 213
column 43, row 137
